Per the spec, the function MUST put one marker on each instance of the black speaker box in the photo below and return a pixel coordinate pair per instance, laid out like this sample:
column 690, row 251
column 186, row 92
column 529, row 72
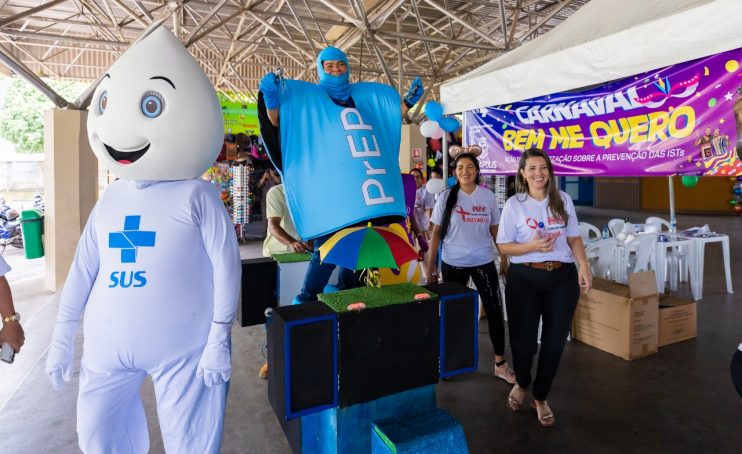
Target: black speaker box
column 459, row 328
column 302, row 358
column 387, row 350
column 259, row 289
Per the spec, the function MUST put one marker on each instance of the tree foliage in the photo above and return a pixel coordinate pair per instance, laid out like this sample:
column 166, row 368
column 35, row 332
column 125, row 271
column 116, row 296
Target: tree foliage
column 22, row 112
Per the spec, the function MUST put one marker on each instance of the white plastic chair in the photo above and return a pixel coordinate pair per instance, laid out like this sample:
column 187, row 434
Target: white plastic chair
column 643, row 248
column 599, row 256
column 586, row 229
column 677, row 259
column 653, row 220
column 615, row 226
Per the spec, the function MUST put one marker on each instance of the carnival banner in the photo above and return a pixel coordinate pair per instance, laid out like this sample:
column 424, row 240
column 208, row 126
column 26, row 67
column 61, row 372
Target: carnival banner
column 684, row 119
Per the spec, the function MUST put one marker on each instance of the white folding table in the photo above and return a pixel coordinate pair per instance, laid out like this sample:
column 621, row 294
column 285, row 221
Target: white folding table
column 700, row 243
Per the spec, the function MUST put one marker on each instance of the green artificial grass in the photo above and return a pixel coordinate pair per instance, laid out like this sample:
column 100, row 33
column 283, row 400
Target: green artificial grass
column 389, row 444
column 373, row 297
column 292, row 257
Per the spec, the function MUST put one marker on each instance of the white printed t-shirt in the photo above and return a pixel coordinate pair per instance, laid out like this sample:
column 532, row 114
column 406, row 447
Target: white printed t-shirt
column 423, row 202
column 468, row 241
column 520, row 218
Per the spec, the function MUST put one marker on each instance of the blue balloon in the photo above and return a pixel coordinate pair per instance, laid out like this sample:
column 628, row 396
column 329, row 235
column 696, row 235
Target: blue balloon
column 449, row 124
column 434, row 110
column 451, row 181
column 738, row 190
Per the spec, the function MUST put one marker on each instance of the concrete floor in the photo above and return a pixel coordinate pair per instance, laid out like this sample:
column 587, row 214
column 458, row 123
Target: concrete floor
column 679, row 400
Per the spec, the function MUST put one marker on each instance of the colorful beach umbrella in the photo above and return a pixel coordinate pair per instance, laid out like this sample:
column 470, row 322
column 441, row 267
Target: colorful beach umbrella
column 367, row 247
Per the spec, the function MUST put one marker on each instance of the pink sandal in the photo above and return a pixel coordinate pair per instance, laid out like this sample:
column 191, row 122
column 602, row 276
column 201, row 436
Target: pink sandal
column 516, row 397
column 504, row 372
column 545, row 415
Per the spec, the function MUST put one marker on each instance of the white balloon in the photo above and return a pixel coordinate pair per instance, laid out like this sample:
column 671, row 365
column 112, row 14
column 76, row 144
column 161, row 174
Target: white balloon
column 435, row 186
column 438, row 133
column 428, row 128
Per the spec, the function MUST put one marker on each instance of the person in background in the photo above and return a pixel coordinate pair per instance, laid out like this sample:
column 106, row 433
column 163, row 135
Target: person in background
column 510, row 186
column 12, row 332
column 435, row 174
column 268, row 180
column 465, row 220
column 281, row 236
column 736, row 370
column 424, row 202
column 539, row 232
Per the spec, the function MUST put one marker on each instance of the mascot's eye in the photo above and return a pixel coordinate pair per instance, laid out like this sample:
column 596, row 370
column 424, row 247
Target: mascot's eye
column 103, row 102
column 152, row 104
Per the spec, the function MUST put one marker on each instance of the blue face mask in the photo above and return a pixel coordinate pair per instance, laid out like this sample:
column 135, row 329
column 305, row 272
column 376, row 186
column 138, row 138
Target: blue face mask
column 338, row 87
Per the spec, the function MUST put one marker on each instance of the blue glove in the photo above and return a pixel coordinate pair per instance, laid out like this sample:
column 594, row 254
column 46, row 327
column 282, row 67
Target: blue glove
column 270, row 87
column 414, row 93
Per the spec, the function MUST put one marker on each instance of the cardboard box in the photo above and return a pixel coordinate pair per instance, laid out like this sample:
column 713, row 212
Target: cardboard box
column 677, row 320
column 620, row 319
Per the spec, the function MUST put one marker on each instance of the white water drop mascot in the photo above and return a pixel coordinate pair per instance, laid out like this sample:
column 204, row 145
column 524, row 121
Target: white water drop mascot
column 157, row 268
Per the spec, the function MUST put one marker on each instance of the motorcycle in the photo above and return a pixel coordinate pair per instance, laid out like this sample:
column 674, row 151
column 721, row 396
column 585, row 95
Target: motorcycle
column 38, row 203
column 10, row 227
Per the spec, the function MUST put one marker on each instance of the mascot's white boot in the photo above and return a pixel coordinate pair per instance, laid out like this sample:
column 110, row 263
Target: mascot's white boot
column 157, row 268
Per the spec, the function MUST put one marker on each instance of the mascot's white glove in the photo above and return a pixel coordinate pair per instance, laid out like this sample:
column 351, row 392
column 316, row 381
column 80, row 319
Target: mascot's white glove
column 61, row 354
column 215, row 365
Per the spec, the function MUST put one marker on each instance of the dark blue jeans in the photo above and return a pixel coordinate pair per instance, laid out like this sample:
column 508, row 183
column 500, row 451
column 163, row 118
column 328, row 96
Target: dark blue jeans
column 318, row 275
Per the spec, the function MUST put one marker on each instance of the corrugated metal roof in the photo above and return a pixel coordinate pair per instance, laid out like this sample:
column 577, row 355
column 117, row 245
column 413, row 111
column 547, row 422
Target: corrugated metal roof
column 238, row 41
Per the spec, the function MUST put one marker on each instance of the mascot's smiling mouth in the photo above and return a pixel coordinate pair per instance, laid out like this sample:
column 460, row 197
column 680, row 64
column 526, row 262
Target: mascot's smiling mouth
column 126, row 157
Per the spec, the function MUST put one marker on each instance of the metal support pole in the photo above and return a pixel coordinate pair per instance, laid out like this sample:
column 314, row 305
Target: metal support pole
column 673, row 220
column 18, row 68
column 445, row 160
column 399, row 57
column 29, row 12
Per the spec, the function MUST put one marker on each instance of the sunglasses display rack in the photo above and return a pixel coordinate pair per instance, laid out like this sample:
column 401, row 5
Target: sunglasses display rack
column 242, row 184
column 499, row 185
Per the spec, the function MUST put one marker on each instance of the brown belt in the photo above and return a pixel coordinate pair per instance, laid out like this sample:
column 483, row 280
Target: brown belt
column 548, row 266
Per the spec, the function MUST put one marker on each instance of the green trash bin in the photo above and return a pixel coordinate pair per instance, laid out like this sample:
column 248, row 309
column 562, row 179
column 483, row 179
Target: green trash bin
column 32, row 228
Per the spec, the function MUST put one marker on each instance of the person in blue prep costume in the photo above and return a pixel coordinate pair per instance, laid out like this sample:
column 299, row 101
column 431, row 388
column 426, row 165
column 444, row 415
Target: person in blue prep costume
column 157, row 269
column 339, row 147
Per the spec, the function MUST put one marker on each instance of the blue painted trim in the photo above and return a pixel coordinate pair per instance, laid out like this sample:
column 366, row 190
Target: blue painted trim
column 287, row 365
column 474, row 294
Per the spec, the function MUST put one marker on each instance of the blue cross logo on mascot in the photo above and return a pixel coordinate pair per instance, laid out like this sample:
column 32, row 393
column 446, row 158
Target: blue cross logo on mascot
column 155, row 122
column 129, row 241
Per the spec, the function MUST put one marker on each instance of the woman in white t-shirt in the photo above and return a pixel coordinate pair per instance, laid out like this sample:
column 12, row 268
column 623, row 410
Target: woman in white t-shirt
column 539, row 231
column 465, row 219
column 424, row 202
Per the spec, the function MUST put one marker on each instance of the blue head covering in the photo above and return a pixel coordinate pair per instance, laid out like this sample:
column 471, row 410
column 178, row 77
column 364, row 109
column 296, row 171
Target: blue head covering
column 338, row 87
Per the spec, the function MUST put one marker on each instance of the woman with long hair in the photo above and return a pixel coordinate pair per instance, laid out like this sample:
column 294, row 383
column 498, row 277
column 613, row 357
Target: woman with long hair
column 465, row 219
column 539, row 232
